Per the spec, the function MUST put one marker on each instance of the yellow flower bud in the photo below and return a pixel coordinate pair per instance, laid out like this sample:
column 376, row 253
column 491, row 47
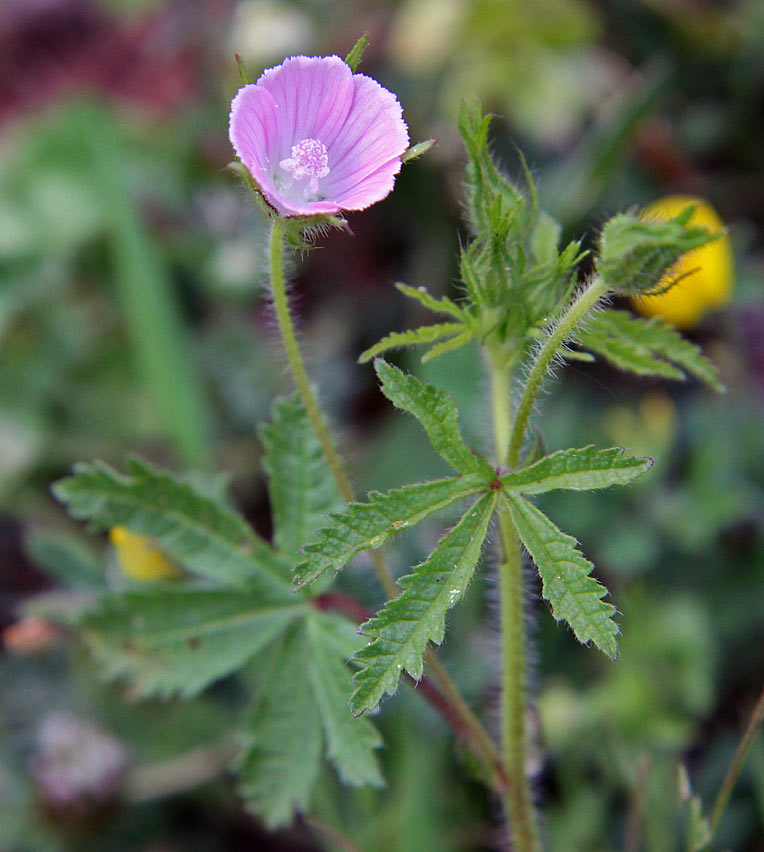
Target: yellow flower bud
column 138, row 559
column 708, row 282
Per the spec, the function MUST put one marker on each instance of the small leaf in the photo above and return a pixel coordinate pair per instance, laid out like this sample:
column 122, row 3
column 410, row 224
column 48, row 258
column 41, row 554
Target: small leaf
column 406, row 624
column 353, row 59
column 199, row 533
column 443, row 305
column 243, row 73
column 425, row 334
column 368, row 525
column 179, row 640
column 301, row 486
column 584, row 469
column 417, row 150
column 448, row 345
column 282, row 757
column 647, row 347
column 436, row 412
column 350, row 742
column 575, row 596
column 545, row 238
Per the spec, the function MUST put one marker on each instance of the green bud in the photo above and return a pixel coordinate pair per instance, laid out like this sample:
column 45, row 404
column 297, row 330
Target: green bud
column 635, row 253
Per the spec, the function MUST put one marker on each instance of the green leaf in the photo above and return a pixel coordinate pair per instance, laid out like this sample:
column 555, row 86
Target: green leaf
column 301, row 486
column 444, row 305
column 350, row 742
column 66, row 559
column 353, row 59
column 636, row 253
column 583, row 469
column 448, row 345
column 368, row 525
column 199, row 533
column 575, row 596
column 404, row 627
column 545, row 238
column 413, row 337
column 179, row 640
column 282, row 757
column 302, row 708
column 436, row 412
column 647, row 347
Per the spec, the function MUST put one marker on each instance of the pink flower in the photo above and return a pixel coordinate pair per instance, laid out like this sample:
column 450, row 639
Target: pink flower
column 317, row 138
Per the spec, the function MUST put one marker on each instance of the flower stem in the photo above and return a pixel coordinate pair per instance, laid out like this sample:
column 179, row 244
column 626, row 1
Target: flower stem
column 477, row 737
column 517, row 797
column 577, row 310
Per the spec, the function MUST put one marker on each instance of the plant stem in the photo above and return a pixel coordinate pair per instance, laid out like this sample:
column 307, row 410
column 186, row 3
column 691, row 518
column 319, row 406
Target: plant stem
column 577, row 310
column 517, row 797
column 736, row 767
column 469, row 725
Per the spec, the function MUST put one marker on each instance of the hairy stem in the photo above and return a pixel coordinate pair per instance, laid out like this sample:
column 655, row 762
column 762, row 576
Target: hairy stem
column 469, row 726
column 736, row 767
column 578, row 309
column 517, row 797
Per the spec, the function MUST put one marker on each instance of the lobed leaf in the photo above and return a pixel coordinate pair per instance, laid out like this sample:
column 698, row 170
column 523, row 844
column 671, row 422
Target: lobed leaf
column 448, row 345
column 647, row 347
column 368, row 525
column 581, row 469
column 301, row 486
column 301, row 709
column 436, row 412
column 282, row 757
column 575, row 596
column 413, row 337
column 198, row 532
column 443, row 305
column 406, row 624
column 175, row 639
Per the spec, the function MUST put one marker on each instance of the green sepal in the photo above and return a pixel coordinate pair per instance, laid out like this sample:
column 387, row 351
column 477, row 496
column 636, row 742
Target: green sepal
column 203, row 535
column 414, row 337
column 636, row 253
column 243, row 73
column 405, row 626
column 353, row 59
column 581, row 469
column 176, row 639
column 418, row 150
column 647, row 347
column 436, row 412
column 566, row 581
column 363, row 526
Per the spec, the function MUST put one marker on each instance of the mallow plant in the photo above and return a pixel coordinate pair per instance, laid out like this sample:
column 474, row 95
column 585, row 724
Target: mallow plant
column 314, row 140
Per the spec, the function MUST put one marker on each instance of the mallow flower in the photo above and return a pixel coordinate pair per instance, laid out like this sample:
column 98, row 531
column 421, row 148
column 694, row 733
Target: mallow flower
column 318, row 139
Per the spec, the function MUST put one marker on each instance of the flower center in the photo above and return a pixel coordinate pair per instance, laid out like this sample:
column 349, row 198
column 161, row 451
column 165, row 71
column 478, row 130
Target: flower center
column 309, row 160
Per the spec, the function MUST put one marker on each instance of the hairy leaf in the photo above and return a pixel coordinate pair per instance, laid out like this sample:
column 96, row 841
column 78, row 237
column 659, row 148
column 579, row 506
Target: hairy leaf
column 350, row 742
column 172, row 639
column 575, row 596
column 368, row 525
column 582, row 469
column 203, row 535
column 448, row 345
column 443, row 305
column 647, row 347
column 404, row 627
column 302, row 708
column 282, row 757
column 301, row 486
column 436, row 412
column 413, row 337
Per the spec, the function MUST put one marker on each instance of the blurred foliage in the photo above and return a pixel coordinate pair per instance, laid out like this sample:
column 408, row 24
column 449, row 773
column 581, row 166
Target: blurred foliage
column 131, row 319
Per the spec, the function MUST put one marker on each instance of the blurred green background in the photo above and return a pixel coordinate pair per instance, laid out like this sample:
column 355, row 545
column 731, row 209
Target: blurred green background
column 132, row 318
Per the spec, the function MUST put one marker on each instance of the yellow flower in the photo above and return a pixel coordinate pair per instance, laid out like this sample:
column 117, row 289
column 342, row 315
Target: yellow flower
column 708, row 283
column 138, row 559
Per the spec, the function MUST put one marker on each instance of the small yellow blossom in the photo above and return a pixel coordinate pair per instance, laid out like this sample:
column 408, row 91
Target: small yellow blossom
column 708, row 283
column 138, row 559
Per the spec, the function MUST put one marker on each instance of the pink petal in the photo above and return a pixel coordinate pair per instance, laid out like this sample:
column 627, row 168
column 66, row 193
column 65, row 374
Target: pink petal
column 374, row 134
column 371, row 188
